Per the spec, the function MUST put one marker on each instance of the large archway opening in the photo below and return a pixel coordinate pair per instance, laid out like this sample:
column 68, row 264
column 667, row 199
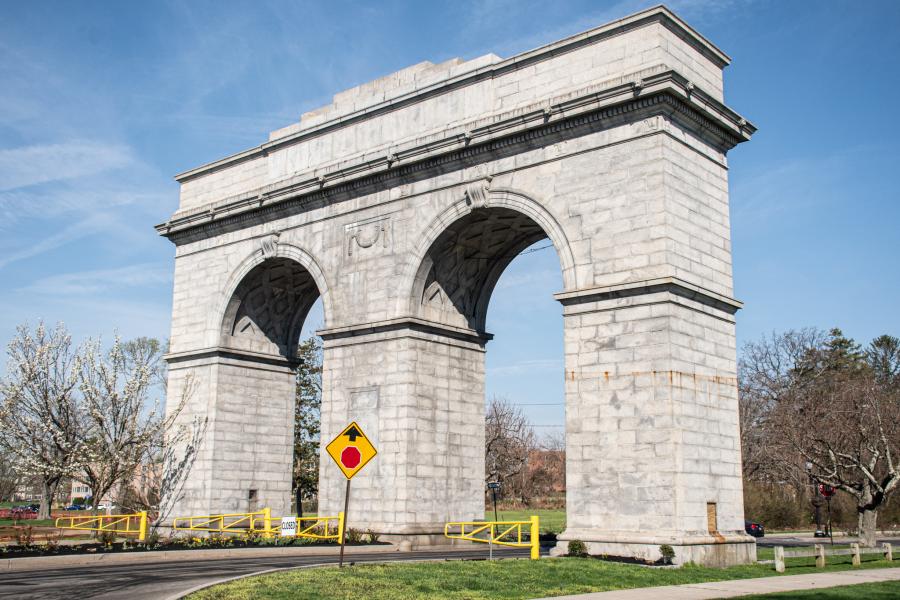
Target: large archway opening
column 523, row 379
column 500, row 257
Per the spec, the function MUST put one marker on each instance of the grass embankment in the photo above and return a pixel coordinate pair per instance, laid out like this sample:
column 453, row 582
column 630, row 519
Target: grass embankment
column 885, row 590
column 552, row 521
column 481, row 580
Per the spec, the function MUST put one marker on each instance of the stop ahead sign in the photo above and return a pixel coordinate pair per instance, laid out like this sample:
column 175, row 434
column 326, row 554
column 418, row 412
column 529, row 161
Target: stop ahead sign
column 351, row 450
column 350, row 457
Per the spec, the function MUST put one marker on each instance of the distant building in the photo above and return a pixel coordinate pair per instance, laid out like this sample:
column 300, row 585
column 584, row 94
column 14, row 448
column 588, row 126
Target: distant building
column 79, row 490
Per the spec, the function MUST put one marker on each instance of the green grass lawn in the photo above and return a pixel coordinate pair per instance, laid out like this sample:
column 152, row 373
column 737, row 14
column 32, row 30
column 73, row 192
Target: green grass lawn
column 26, row 522
column 481, row 580
column 552, row 521
column 885, row 590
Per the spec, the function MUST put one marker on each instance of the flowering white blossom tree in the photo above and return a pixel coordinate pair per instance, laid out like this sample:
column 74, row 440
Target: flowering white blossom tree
column 9, row 478
column 38, row 408
column 166, row 466
column 119, row 424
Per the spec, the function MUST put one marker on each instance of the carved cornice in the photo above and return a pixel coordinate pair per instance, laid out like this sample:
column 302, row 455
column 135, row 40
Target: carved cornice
column 673, row 285
column 233, row 354
column 406, row 323
column 658, row 14
column 666, row 93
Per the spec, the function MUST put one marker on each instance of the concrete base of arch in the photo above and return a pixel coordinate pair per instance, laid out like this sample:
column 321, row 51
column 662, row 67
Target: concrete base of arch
column 417, row 390
column 652, row 445
column 720, row 550
column 247, row 401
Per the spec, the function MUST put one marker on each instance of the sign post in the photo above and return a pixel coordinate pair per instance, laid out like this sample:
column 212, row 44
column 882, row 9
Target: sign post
column 828, row 491
column 351, row 450
column 494, row 486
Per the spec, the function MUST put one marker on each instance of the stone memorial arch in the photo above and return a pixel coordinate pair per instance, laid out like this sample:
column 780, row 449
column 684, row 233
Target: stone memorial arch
column 400, row 204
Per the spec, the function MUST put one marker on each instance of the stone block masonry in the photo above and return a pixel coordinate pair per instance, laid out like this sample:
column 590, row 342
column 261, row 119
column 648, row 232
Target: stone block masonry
column 400, row 204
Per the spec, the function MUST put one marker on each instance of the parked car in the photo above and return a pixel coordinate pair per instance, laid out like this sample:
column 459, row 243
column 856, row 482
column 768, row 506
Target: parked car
column 105, row 506
column 754, row 529
column 74, row 507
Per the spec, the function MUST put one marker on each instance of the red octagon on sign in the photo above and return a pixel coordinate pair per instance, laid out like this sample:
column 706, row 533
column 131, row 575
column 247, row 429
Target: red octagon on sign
column 350, row 457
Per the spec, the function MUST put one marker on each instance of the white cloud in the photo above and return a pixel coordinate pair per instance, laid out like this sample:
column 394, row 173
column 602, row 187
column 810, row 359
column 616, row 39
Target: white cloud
column 103, row 280
column 30, row 165
column 79, row 198
column 89, row 226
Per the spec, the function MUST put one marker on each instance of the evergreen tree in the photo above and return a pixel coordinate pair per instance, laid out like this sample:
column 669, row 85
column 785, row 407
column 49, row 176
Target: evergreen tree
column 883, row 356
column 307, row 421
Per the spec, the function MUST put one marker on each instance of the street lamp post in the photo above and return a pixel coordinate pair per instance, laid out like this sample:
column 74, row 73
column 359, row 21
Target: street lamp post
column 817, row 501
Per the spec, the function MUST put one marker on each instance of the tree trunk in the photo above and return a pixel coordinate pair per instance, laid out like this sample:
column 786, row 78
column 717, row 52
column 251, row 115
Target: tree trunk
column 866, row 526
column 48, row 491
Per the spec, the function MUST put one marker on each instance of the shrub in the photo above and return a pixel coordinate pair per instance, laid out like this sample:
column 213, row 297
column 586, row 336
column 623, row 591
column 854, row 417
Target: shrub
column 106, row 538
column 252, row 537
column 371, row 537
column 53, row 541
column 577, row 548
column 25, row 536
column 354, row 536
column 152, row 539
column 667, row 553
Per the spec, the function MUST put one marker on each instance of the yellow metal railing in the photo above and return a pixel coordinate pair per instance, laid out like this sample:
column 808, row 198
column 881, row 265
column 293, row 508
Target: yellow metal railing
column 226, row 523
column 502, row 533
column 318, row 528
column 118, row 524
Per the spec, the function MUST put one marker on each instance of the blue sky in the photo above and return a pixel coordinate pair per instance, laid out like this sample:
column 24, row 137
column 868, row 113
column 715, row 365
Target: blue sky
column 102, row 102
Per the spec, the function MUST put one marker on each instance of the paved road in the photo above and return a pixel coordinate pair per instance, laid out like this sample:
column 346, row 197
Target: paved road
column 153, row 581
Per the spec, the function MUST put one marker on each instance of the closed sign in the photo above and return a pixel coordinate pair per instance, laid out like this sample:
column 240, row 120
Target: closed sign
column 288, row 526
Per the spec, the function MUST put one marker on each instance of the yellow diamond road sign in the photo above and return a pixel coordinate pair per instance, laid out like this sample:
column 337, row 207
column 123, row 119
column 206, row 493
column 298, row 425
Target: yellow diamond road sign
column 351, row 450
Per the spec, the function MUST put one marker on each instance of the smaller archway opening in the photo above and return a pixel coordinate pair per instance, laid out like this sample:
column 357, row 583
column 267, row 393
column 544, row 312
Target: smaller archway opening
column 268, row 308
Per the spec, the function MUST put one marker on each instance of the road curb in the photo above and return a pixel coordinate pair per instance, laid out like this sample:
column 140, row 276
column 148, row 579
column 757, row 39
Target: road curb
column 162, row 556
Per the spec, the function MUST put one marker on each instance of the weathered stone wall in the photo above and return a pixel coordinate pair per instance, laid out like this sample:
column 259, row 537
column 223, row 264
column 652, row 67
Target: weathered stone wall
column 401, row 203
column 420, row 398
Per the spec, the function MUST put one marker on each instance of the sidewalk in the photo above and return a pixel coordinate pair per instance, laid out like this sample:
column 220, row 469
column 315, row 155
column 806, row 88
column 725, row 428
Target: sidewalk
column 743, row 587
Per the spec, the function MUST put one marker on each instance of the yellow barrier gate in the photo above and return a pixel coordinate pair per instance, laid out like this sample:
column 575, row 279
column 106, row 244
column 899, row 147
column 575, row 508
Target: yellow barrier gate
column 502, row 533
column 118, row 524
column 318, row 528
column 226, row 523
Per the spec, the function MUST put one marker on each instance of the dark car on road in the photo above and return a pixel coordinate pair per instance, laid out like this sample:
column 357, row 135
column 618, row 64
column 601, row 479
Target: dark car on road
column 754, row 529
